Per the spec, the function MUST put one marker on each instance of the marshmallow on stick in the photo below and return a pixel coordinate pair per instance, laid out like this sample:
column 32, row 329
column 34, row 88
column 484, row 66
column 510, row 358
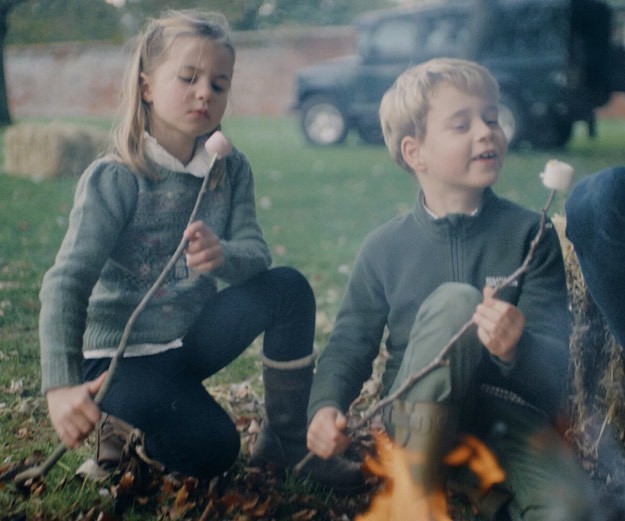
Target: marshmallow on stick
column 217, row 145
column 557, row 175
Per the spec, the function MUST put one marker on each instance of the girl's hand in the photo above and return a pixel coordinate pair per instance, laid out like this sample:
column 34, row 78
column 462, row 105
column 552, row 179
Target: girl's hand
column 72, row 411
column 204, row 252
column 499, row 326
column 326, row 437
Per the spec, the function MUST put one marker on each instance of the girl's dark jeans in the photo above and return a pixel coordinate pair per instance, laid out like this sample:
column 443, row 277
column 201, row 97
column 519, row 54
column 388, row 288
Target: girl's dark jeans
column 163, row 394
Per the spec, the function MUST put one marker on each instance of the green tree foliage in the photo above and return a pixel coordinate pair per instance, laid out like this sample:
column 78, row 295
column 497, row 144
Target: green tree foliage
column 6, row 6
column 255, row 14
column 36, row 21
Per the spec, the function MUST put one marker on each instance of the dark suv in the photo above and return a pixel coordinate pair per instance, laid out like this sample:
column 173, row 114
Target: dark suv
column 553, row 59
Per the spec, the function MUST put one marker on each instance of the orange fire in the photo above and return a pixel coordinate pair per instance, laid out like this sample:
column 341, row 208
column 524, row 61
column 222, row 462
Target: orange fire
column 401, row 499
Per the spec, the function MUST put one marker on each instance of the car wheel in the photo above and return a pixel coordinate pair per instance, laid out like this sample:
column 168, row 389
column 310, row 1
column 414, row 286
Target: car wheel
column 371, row 134
column 322, row 121
column 512, row 121
column 552, row 132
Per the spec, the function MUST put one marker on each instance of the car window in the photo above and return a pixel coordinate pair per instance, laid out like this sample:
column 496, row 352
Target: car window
column 526, row 31
column 392, row 39
column 441, row 38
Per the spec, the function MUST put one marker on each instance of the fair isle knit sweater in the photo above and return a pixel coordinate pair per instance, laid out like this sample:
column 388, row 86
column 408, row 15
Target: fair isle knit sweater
column 402, row 262
column 122, row 231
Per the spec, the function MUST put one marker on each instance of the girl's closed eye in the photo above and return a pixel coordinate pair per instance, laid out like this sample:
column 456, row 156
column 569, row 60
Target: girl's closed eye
column 219, row 88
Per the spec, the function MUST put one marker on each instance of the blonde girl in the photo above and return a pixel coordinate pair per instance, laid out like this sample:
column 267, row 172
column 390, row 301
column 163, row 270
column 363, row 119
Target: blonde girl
column 130, row 212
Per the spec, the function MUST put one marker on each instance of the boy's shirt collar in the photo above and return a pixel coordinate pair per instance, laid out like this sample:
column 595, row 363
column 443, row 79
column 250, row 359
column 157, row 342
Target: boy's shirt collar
column 435, row 217
column 198, row 166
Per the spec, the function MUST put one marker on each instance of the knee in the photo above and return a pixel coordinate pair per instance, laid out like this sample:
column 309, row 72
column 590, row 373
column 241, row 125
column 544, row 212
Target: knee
column 590, row 203
column 450, row 306
column 209, row 455
column 203, row 448
column 455, row 298
column 294, row 285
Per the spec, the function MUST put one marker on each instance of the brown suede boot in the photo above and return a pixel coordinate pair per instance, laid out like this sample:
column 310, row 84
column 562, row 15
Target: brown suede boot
column 119, row 444
column 282, row 438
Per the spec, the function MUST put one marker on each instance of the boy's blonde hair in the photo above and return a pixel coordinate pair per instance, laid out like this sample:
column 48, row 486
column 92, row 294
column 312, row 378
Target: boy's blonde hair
column 405, row 105
column 151, row 49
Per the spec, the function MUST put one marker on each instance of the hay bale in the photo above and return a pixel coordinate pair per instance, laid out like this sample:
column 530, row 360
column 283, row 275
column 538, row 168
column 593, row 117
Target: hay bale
column 48, row 150
column 597, row 376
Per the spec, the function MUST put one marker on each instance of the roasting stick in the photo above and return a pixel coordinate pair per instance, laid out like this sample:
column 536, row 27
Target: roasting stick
column 557, row 176
column 217, row 147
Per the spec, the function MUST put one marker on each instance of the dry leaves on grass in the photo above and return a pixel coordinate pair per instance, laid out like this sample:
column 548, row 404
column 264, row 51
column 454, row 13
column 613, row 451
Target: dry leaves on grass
column 244, row 493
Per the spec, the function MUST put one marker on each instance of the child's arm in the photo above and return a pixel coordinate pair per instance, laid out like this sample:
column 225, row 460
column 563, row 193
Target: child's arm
column 326, row 436
column 204, row 252
column 540, row 366
column 499, row 326
column 245, row 252
column 72, row 411
column 104, row 199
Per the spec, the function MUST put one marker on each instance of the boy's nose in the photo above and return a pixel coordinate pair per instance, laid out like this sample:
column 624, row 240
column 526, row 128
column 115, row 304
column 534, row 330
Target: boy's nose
column 484, row 129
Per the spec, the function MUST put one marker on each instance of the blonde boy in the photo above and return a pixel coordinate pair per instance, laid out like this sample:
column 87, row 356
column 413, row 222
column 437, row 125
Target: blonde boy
column 422, row 275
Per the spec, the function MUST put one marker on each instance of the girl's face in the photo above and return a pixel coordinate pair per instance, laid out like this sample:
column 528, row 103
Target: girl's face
column 187, row 93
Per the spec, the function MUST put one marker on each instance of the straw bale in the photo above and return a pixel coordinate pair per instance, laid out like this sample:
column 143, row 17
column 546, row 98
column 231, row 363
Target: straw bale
column 597, row 376
column 49, row 150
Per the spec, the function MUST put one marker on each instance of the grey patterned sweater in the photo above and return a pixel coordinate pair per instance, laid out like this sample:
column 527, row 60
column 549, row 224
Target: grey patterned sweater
column 122, row 231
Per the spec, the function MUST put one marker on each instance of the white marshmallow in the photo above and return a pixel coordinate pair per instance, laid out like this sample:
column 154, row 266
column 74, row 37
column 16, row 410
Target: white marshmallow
column 557, row 175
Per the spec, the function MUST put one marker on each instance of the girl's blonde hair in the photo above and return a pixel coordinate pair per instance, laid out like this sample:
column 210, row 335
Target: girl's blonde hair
column 151, row 48
column 405, row 105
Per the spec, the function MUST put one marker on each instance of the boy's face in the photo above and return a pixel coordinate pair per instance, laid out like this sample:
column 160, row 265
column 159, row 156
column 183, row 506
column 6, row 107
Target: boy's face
column 464, row 146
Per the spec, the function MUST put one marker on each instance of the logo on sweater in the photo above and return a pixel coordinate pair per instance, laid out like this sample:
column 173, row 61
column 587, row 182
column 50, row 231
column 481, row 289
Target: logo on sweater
column 495, row 280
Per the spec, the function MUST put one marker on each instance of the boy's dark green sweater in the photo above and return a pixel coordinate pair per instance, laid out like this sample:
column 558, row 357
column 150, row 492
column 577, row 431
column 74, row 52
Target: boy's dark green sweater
column 406, row 259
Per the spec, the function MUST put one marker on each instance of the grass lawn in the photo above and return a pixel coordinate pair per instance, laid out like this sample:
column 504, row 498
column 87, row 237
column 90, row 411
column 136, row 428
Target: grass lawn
column 315, row 206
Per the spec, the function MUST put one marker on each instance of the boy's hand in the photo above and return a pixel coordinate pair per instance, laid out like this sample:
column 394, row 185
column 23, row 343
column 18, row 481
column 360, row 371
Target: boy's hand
column 326, row 437
column 499, row 326
column 72, row 411
column 204, row 251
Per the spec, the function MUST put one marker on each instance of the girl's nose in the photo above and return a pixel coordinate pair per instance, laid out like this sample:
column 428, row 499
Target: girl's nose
column 203, row 91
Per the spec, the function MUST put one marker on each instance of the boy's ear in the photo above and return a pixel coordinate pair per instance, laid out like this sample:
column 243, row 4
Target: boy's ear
column 411, row 153
column 144, row 87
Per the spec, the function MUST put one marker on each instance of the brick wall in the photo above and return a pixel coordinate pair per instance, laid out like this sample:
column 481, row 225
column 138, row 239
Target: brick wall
column 83, row 79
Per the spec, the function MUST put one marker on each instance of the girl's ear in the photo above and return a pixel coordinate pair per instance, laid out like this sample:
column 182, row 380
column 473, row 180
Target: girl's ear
column 144, row 87
column 411, row 153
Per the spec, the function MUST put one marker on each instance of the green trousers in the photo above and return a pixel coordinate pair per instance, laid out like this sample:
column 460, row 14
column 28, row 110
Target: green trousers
column 542, row 473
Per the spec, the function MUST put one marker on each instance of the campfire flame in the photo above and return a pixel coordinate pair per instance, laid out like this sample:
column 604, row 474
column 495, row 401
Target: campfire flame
column 400, row 498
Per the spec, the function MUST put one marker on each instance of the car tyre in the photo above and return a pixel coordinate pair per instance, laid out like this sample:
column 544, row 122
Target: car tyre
column 552, row 132
column 323, row 122
column 371, row 135
column 512, row 121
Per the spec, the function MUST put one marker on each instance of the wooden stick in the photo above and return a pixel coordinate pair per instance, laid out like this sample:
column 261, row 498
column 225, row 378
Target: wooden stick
column 41, row 470
column 439, row 359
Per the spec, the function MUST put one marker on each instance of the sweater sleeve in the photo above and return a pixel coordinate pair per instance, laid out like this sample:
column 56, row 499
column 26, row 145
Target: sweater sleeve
column 104, row 200
column 347, row 360
column 245, row 251
column 542, row 364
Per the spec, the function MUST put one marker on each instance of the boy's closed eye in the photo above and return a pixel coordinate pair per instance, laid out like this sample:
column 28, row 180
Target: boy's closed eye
column 491, row 117
column 460, row 124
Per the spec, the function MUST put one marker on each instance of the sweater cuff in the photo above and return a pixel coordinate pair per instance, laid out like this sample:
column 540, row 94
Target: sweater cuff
column 59, row 374
column 504, row 367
